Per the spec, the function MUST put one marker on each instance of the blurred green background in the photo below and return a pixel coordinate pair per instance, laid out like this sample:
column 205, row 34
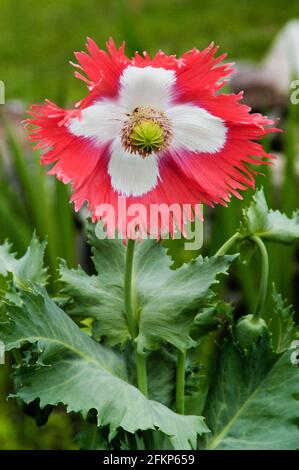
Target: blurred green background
column 37, row 41
column 38, row 38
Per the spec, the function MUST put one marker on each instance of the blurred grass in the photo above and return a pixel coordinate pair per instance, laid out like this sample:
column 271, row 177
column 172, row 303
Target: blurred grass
column 37, row 40
column 44, row 207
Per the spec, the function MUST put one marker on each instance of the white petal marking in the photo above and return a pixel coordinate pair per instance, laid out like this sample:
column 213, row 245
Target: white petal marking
column 147, row 86
column 196, row 129
column 132, row 175
column 102, row 121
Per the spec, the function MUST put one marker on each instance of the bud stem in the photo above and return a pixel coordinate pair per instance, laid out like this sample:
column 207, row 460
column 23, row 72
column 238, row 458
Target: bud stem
column 228, row 244
column 262, row 293
column 261, row 299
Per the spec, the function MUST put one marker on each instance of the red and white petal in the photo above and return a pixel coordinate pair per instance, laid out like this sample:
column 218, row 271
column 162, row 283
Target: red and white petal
column 95, row 189
column 131, row 175
column 75, row 157
column 102, row 121
column 196, row 130
column 172, row 191
column 102, row 70
column 225, row 172
column 146, row 86
column 200, row 73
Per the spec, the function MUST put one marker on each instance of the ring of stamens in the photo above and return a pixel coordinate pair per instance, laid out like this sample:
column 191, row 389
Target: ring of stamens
column 146, row 131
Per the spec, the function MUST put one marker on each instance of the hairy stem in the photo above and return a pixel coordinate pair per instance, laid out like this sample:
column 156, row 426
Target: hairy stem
column 131, row 316
column 228, row 244
column 141, row 373
column 262, row 293
column 129, row 299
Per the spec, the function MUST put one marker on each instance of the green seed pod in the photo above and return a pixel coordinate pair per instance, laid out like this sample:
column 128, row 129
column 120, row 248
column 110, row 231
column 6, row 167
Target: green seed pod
column 249, row 330
column 147, row 136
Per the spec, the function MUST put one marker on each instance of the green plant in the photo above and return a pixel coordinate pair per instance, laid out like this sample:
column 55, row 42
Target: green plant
column 149, row 325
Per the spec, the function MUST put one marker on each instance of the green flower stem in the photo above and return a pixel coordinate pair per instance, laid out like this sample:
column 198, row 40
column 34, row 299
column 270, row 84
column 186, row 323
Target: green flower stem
column 264, row 269
column 228, row 244
column 129, row 304
column 141, row 373
column 262, row 293
column 180, row 382
column 131, row 316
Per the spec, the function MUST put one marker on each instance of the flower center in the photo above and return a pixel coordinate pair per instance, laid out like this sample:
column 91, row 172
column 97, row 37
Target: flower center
column 147, row 136
column 146, row 131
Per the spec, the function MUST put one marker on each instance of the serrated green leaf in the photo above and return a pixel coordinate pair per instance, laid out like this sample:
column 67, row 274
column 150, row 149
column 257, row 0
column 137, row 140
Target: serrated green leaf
column 177, row 252
column 100, row 296
column 93, row 296
column 28, row 268
column 108, row 256
column 268, row 224
column 166, row 300
column 251, row 404
column 281, row 323
column 75, row 370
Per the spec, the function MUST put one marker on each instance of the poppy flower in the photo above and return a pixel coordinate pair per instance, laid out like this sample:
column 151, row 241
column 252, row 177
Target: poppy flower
column 151, row 131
